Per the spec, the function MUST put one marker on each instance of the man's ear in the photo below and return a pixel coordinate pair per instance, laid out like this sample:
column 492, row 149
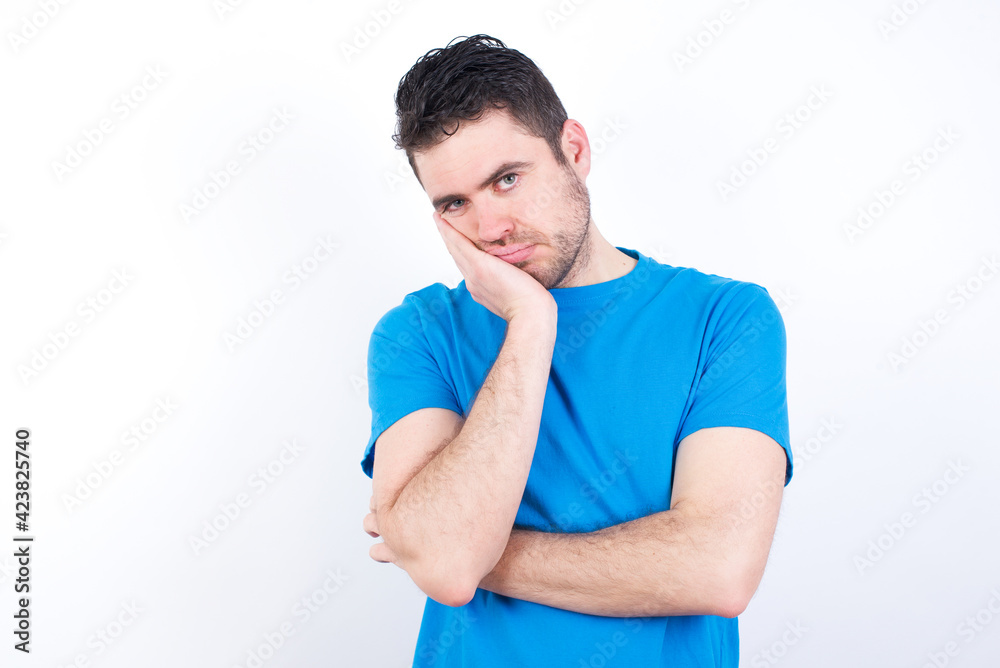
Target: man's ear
column 576, row 147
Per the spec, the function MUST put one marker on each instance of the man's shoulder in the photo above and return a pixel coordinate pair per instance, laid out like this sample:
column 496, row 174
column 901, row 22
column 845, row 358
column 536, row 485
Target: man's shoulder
column 421, row 307
column 435, row 297
column 723, row 304
column 706, row 289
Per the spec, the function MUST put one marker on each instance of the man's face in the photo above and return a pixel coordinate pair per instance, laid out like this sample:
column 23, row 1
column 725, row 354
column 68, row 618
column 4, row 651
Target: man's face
column 503, row 189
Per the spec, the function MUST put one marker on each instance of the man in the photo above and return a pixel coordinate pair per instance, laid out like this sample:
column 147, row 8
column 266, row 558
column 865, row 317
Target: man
column 578, row 453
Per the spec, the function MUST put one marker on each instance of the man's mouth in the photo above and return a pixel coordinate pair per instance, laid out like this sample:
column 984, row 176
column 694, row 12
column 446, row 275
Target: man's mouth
column 513, row 254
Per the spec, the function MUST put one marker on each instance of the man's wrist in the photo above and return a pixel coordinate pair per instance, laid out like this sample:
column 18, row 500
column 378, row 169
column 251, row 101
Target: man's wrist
column 539, row 323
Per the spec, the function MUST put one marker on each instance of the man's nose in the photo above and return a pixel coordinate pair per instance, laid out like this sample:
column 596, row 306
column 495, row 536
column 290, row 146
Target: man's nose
column 494, row 219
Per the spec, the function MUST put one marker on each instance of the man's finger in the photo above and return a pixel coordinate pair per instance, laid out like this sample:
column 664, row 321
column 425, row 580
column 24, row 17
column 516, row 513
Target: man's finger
column 453, row 239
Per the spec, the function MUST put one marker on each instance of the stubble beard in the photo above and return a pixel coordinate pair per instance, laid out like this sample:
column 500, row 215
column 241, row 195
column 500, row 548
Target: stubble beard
column 571, row 244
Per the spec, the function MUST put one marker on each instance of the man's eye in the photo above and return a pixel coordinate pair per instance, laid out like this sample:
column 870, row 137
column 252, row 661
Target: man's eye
column 512, row 177
column 449, row 206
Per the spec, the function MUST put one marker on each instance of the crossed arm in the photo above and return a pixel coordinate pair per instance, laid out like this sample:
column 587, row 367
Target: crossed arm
column 704, row 556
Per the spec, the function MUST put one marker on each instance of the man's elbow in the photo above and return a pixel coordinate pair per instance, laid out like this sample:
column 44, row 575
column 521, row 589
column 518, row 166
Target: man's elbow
column 444, row 586
column 455, row 595
column 440, row 579
column 449, row 575
column 740, row 586
column 731, row 607
column 442, row 576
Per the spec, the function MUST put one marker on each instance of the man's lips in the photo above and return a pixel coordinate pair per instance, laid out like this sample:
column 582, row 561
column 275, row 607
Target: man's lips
column 513, row 254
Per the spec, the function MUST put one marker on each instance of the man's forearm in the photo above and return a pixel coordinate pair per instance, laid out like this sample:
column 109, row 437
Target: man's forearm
column 452, row 520
column 664, row 564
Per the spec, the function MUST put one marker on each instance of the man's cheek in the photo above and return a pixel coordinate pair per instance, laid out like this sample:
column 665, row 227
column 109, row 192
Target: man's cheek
column 538, row 203
column 532, row 210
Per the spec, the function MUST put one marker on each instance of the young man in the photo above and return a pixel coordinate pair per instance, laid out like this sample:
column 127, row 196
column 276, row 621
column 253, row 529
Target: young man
column 578, row 453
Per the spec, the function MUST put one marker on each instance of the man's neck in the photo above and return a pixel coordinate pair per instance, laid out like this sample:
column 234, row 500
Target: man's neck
column 606, row 261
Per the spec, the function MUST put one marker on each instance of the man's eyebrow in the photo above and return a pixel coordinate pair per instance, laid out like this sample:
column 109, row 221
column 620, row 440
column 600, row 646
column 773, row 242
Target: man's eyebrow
column 517, row 165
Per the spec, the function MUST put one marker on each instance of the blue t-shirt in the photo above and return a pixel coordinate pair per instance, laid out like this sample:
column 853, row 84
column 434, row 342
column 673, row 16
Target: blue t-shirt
column 640, row 362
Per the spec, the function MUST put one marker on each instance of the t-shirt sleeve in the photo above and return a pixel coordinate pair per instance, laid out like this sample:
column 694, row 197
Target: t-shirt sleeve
column 741, row 382
column 403, row 374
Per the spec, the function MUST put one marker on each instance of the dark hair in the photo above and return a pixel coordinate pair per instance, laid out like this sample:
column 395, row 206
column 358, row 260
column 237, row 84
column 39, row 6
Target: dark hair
column 466, row 79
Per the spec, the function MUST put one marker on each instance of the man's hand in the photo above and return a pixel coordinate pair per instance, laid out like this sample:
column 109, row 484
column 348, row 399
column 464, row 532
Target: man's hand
column 379, row 551
column 498, row 285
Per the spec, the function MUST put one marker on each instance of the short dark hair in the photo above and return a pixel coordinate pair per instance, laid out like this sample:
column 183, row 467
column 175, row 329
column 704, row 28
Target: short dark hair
column 466, row 79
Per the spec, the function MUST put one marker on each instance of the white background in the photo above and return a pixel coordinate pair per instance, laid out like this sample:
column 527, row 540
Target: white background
column 665, row 134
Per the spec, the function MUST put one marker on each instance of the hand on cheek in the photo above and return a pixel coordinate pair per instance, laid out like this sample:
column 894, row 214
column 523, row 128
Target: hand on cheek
column 501, row 287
